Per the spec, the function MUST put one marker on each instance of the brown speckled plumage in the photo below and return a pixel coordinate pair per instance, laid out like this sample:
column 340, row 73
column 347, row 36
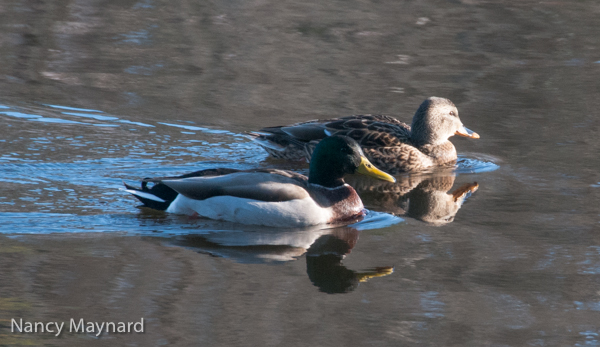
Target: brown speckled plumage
column 387, row 142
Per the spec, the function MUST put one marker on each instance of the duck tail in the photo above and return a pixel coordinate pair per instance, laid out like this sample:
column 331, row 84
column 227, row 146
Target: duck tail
column 159, row 197
column 279, row 145
column 265, row 140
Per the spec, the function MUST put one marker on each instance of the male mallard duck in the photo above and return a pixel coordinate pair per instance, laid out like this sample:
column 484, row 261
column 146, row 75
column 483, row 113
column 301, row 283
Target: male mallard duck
column 388, row 143
column 268, row 196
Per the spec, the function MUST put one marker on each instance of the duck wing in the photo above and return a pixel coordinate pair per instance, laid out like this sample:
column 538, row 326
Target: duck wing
column 304, row 131
column 368, row 130
column 297, row 141
column 262, row 185
column 371, row 130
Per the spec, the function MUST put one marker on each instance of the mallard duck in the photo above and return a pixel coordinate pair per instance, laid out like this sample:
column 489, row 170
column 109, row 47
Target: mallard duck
column 269, row 197
column 387, row 142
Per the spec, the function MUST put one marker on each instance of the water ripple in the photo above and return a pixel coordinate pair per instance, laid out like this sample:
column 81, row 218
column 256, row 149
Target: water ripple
column 477, row 164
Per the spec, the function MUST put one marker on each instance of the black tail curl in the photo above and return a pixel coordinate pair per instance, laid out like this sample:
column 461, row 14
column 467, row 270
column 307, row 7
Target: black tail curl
column 159, row 190
column 165, row 193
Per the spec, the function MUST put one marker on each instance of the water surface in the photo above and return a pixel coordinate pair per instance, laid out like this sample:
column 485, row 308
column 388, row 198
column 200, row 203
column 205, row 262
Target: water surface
column 502, row 250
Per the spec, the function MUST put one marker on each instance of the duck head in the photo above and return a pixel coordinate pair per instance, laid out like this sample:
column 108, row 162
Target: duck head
column 336, row 156
column 435, row 121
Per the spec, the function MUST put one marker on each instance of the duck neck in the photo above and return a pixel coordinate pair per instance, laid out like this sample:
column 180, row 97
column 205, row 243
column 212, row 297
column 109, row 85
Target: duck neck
column 421, row 135
column 443, row 153
column 325, row 180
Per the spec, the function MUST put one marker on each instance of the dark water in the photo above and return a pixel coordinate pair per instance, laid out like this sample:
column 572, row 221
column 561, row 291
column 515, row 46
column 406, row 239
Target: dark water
column 502, row 251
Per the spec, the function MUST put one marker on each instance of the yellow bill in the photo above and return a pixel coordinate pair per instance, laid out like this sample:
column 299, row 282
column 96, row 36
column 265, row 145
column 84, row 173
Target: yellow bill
column 376, row 272
column 368, row 169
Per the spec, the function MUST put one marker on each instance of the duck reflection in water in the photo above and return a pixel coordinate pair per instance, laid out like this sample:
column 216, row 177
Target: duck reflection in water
column 324, row 250
column 422, row 197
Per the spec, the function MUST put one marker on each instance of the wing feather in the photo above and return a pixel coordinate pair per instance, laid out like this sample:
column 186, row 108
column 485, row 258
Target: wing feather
column 256, row 185
column 374, row 130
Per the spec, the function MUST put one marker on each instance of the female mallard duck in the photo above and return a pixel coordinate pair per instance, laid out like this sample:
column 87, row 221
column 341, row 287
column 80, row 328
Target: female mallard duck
column 388, row 143
column 268, row 196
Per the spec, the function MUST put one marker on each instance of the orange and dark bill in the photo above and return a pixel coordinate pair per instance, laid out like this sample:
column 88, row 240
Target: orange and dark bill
column 467, row 133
